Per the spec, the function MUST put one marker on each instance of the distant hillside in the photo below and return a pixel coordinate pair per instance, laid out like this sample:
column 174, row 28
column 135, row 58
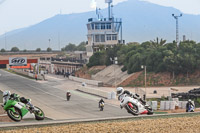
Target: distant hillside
column 142, row 21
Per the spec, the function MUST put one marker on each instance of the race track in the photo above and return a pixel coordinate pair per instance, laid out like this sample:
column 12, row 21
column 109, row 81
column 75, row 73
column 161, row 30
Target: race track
column 52, row 99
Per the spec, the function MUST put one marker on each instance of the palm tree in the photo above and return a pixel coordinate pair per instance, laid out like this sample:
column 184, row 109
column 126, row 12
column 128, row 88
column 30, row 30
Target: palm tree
column 156, row 43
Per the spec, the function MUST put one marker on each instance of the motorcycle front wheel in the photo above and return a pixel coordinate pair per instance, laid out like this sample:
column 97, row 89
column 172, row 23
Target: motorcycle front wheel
column 133, row 110
column 15, row 116
column 150, row 111
column 39, row 114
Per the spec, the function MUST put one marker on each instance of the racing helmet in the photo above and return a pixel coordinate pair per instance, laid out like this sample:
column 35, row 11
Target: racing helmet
column 189, row 100
column 120, row 90
column 6, row 93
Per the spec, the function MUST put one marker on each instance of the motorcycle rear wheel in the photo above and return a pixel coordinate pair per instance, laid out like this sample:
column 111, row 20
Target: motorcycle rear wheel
column 15, row 116
column 134, row 110
column 101, row 108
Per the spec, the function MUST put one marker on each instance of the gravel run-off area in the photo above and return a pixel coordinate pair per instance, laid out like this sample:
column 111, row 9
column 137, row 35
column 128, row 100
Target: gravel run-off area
column 186, row 124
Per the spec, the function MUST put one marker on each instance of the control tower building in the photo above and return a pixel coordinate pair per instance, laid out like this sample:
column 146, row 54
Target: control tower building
column 103, row 32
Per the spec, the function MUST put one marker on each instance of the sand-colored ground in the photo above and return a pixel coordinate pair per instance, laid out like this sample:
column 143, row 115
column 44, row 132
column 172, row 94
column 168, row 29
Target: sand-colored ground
column 163, row 125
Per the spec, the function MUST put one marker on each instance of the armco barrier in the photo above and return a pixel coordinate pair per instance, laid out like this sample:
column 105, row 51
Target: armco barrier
column 87, row 81
column 97, row 92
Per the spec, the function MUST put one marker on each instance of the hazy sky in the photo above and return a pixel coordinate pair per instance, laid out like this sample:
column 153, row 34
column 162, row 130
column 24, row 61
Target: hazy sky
column 16, row 14
column 186, row 6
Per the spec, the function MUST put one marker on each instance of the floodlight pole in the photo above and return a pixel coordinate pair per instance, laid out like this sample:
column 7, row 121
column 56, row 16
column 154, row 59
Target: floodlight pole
column 177, row 34
column 145, row 80
column 49, row 42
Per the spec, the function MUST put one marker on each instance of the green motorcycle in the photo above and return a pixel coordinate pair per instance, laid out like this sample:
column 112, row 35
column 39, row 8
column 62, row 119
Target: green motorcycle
column 16, row 110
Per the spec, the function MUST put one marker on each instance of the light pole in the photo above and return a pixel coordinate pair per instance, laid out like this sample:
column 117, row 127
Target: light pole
column 114, row 61
column 49, row 42
column 177, row 35
column 145, row 79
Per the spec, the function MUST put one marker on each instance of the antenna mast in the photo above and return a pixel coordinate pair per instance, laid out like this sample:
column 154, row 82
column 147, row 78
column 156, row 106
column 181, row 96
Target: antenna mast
column 109, row 7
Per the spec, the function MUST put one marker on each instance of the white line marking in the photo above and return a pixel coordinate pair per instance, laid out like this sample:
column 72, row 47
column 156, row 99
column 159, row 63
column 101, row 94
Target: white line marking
column 47, row 92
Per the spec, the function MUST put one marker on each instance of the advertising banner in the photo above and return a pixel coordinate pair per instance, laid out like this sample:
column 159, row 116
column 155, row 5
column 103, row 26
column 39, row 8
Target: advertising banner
column 17, row 61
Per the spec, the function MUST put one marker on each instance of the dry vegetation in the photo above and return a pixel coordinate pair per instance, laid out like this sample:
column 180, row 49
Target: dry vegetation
column 163, row 125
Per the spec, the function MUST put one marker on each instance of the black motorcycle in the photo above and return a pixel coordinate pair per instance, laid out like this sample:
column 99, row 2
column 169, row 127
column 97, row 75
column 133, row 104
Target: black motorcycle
column 68, row 95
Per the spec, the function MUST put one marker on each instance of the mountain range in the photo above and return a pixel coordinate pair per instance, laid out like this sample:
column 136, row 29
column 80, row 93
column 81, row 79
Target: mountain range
column 142, row 21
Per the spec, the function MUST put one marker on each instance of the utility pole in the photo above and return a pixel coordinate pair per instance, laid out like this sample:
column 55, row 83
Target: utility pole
column 5, row 41
column 115, row 62
column 177, row 34
column 145, row 79
column 49, row 42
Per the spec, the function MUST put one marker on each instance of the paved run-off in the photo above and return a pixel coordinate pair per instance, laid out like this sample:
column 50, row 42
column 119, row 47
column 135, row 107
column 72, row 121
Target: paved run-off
column 157, row 125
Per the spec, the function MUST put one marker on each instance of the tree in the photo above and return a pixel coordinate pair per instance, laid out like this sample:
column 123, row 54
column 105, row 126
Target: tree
column 49, row 49
column 24, row 50
column 97, row 58
column 38, row 50
column 14, row 49
column 70, row 47
column 81, row 46
column 157, row 44
column 3, row 50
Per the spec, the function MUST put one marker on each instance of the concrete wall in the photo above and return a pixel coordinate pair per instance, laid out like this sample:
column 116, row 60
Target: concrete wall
column 28, row 74
column 97, row 92
column 111, row 75
column 87, row 81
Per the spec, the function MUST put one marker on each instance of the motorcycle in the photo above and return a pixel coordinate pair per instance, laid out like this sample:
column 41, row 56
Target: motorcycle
column 190, row 109
column 101, row 106
column 134, row 106
column 68, row 95
column 17, row 110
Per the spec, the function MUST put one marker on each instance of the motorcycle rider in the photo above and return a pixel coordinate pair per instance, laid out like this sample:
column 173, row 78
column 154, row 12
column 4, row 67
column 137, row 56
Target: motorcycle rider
column 101, row 101
column 121, row 91
column 68, row 94
column 7, row 95
column 189, row 104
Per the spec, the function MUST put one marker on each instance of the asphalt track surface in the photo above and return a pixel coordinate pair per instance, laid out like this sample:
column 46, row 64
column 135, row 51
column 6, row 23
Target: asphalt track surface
column 52, row 100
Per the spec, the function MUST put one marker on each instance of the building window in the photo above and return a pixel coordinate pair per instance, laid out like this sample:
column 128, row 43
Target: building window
column 93, row 26
column 97, row 38
column 88, row 26
column 108, row 37
column 97, row 26
column 114, row 37
column 103, row 26
column 102, row 38
column 108, row 26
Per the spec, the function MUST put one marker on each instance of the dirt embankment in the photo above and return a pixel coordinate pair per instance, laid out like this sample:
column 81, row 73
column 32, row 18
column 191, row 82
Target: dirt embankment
column 165, row 79
column 152, row 79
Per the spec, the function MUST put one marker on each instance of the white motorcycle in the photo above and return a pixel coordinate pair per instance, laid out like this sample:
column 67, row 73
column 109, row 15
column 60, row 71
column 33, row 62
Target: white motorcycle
column 134, row 106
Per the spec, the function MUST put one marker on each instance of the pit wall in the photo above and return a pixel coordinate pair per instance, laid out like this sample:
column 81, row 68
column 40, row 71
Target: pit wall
column 31, row 75
column 97, row 92
column 87, row 81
